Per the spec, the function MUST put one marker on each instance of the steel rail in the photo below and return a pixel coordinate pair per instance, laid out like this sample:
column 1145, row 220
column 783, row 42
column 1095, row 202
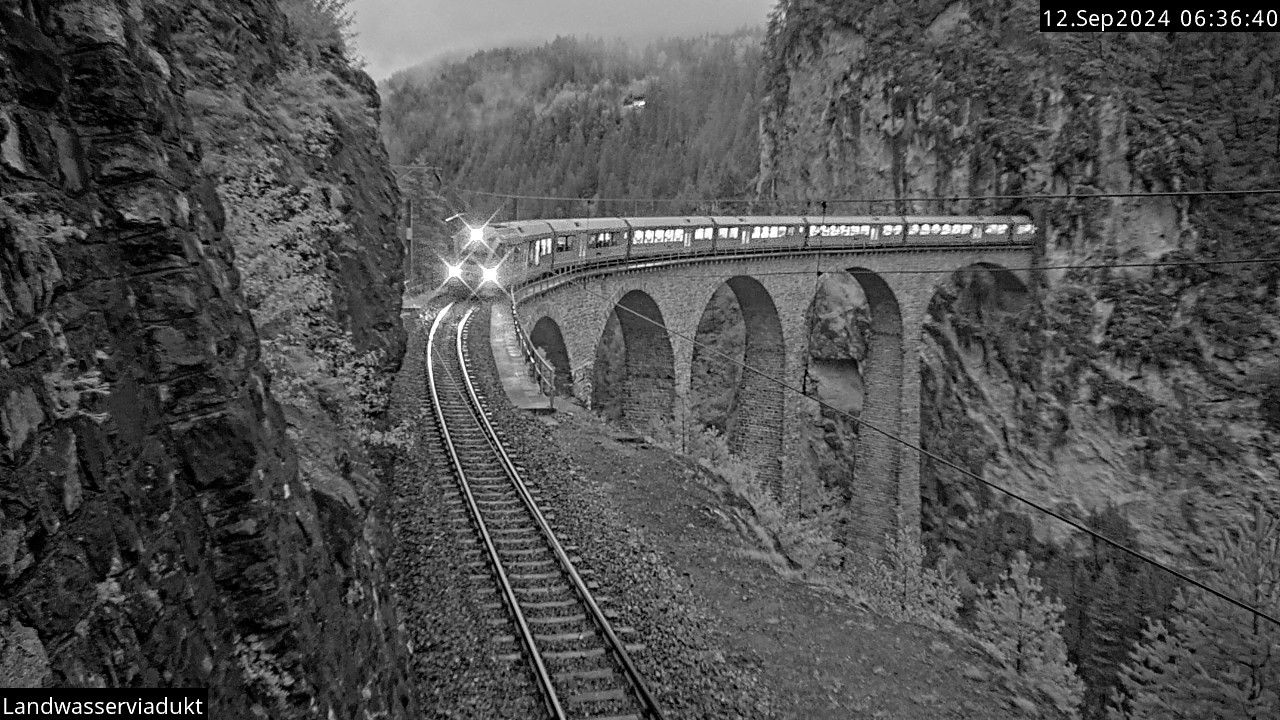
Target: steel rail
column 651, row 708
column 543, row 678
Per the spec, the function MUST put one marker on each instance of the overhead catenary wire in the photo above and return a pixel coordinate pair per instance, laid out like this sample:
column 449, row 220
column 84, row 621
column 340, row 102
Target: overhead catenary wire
column 846, row 201
column 933, row 271
column 937, row 458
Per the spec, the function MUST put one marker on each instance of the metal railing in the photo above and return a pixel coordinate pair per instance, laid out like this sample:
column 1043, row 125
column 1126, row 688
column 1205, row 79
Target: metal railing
column 541, row 368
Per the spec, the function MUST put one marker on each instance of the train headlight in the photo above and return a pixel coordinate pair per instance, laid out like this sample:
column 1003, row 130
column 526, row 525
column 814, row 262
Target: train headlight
column 489, row 275
column 455, row 271
column 476, row 235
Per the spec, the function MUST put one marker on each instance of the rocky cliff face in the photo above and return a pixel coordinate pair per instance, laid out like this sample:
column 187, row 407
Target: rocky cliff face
column 1143, row 387
column 155, row 529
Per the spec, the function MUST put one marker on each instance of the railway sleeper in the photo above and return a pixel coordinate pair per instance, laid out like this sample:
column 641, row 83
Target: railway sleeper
column 565, row 637
column 548, row 604
column 527, row 577
column 530, row 563
column 558, row 619
column 597, row 696
column 574, row 654
column 543, row 590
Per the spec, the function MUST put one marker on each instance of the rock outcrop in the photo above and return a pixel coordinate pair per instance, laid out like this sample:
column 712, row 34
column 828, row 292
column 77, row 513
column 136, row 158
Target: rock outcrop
column 154, row 528
column 1139, row 386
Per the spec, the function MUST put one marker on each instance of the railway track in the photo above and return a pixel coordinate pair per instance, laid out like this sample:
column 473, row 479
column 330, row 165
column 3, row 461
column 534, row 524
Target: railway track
column 578, row 662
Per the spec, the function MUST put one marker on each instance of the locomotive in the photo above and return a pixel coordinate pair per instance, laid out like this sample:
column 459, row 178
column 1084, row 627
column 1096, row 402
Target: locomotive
column 525, row 251
column 476, row 269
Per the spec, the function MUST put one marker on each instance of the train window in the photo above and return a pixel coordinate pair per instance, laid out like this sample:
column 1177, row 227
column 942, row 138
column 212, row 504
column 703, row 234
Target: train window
column 563, row 242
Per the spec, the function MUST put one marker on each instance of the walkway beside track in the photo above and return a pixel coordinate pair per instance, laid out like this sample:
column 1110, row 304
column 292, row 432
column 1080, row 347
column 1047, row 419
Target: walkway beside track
column 521, row 389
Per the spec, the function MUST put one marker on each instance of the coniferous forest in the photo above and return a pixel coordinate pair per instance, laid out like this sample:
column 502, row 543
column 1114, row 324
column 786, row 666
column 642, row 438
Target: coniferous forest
column 585, row 119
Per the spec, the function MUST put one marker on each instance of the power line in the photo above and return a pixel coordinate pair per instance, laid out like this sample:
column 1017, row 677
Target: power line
column 928, row 271
column 845, row 201
column 964, row 471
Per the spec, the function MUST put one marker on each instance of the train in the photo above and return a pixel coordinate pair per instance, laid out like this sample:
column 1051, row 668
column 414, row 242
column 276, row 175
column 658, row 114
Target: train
column 525, row 251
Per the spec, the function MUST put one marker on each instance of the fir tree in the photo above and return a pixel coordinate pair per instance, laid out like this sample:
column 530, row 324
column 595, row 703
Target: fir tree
column 1025, row 630
column 1214, row 661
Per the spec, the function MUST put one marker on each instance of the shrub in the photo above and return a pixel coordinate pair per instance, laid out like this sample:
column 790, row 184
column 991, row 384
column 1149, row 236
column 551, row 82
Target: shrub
column 901, row 587
column 1023, row 630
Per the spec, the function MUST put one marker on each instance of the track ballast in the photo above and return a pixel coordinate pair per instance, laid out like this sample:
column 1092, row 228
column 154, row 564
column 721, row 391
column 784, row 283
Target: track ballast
column 578, row 662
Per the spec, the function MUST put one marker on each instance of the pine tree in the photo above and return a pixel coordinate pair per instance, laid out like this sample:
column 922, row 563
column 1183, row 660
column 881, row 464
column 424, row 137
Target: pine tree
column 1025, row 630
column 1214, row 661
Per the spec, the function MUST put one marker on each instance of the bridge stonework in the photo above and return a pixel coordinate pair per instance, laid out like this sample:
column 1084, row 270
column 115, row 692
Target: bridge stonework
column 898, row 286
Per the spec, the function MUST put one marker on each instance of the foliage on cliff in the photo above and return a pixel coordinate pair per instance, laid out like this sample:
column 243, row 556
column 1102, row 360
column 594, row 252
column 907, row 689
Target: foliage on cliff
column 585, row 118
column 278, row 149
column 1213, row 660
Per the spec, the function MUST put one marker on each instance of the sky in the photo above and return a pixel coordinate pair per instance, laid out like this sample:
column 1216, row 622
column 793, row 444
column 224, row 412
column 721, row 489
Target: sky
column 395, row 34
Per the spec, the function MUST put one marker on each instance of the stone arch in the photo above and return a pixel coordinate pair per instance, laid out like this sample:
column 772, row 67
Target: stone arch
column 987, row 284
column 546, row 335
column 951, row 353
column 756, row 409
column 877, row 375
column 641, row 393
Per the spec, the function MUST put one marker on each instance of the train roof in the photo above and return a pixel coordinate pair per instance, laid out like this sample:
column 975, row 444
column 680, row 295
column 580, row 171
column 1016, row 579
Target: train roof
column 535, row 228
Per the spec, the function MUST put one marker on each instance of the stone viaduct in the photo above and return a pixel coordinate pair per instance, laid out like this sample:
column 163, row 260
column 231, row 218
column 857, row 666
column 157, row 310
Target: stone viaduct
column 775, row 292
